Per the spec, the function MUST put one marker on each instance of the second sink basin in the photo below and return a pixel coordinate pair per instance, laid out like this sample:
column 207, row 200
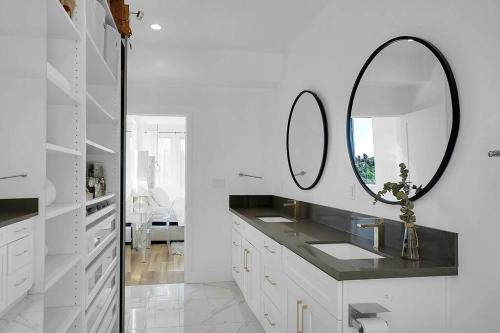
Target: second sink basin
column 346, row 251
column 273, row 219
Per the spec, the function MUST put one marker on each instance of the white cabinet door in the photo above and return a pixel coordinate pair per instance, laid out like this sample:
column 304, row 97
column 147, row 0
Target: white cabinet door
column 305, row 315
column 3, row 278
column 236, row 249
column 251, row 278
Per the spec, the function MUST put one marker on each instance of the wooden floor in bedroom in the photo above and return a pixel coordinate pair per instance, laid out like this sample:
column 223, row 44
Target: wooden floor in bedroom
column 159, row 267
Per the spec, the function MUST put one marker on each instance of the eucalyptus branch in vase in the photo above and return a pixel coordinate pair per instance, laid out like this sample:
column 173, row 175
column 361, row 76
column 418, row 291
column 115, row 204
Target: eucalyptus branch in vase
column 401, row 191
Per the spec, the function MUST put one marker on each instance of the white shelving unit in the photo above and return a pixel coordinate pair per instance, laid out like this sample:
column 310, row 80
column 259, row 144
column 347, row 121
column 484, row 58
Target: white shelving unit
column 96, row 113
column 57, row 266
column 95, row 148
column 58, row 150
column 57, row 209
column 100, row 199
column 83, row 117
column 60, row 319
column 59, row 90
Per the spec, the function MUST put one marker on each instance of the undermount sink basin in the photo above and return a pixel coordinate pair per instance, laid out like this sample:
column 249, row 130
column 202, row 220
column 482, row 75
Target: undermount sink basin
column 346, row 251
column 274, row 219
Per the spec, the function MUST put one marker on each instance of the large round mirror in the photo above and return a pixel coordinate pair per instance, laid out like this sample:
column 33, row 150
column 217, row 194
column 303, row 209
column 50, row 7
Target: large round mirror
column 403, row 109
column 306, row 140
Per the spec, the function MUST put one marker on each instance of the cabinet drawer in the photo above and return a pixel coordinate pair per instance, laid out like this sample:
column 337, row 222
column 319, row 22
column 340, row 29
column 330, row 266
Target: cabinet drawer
column 3, row 236
column 18, row 230
column 271, row 317
column 270, row 249
column 271, row 282
column 323, row 288
column 19, row 283
column 305, row 314
column 252, row 235
column 236, row 257
column 20, row 253
column 238, row 223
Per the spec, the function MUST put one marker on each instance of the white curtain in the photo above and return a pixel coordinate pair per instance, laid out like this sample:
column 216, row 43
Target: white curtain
column 171, row 163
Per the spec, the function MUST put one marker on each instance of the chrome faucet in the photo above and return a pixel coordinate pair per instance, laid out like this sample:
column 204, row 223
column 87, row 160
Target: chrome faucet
column 295, row 205
column 378, row 230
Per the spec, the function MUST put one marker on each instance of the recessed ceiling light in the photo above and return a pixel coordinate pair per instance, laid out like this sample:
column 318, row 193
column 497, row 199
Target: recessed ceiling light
column 155, row 26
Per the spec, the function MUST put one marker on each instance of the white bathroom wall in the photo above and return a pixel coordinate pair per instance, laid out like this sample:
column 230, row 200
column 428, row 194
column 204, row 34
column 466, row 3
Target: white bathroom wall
column 225, row 136
column 327, row 58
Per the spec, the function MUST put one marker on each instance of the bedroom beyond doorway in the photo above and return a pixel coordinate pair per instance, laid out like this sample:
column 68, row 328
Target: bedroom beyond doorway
column 155, row 199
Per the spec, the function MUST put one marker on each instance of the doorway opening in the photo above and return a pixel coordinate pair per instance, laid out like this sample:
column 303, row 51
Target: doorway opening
column 155, row 195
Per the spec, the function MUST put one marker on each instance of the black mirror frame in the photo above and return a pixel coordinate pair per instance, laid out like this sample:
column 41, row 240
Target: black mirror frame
column 455, row 114
column 325, row 139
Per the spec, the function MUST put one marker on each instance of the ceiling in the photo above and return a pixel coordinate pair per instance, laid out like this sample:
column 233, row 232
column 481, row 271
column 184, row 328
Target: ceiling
column 257, row 25
column 223, row 43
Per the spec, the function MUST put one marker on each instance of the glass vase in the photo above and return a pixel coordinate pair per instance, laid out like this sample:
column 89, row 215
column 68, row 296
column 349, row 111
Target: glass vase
column 410, row 243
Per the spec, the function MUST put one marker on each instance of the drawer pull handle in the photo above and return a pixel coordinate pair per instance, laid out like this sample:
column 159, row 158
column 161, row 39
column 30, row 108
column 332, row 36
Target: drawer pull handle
column 269, row 320
column 20, row 283
column 235, row 244
column 269, row 280
column 19, row 230
column 246, row 261
column 268, row 249
column 20, row 254
column 235, row 270
column 300, row 316
column 237, row 223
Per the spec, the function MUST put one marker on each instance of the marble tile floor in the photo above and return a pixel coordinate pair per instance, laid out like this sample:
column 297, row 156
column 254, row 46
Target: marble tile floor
column 188, row 308
column 24, row 317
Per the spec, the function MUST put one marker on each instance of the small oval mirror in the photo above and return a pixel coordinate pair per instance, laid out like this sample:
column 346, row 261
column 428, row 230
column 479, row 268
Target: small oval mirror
column 403, row 109
column 306, row 140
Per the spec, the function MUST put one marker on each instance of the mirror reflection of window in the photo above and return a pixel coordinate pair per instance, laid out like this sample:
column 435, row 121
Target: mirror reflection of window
column 401, row 113
column 363, row 149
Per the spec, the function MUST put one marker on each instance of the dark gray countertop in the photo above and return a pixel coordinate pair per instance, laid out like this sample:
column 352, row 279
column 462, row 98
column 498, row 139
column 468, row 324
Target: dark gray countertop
column 392, row 266
column 16, row 210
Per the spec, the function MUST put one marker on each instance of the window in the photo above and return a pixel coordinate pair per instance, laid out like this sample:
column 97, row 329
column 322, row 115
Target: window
column 363, row 149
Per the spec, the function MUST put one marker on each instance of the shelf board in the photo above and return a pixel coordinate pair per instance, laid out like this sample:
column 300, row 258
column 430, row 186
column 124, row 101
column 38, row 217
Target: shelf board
column 59, row 24
column 98, row 71
column 57, row 209
column 59, row 150
column 100, row 213
column 100, row 283
column 100, row 199
column 56, row 266
column 95, row 148
column 58, row 91
column 96, row 113
column 60, row 319
column 101, row 247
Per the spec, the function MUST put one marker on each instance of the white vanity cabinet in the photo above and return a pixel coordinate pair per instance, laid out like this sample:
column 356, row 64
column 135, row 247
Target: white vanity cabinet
column 246, row 261
column 16, row 262
column 236, row 257
column 3, row 278
column 289, row 295
column 250, row 278
column 305, row 314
